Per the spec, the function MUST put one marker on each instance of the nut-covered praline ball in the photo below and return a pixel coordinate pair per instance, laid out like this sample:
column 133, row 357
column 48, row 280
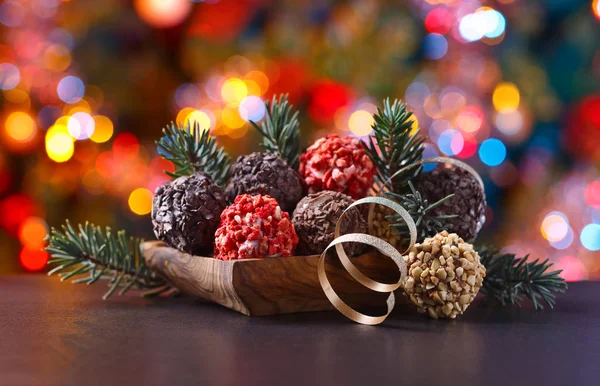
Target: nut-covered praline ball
column 266, row 174
column 337, row 163
column 186, row 212
column 315, row 217
column 444, row 275
column 254, row 227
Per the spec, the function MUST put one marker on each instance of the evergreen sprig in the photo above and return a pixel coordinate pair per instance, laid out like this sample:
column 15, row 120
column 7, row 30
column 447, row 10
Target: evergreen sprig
column 393, row 145
column 280, row 131
column 90, row 253
column 421, row 212
column 192, row 150
column 509, row 279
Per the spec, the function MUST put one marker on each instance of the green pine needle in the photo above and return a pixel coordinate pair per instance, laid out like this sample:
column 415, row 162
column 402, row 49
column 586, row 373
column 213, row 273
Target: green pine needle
column 420, row 210
column 90, row 253
column 193, row 150
column 280, row 131
column 392, row 146
column 509, row 279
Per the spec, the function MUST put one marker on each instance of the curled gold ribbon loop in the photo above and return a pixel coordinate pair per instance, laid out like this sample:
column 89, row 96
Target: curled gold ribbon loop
column 383, row 246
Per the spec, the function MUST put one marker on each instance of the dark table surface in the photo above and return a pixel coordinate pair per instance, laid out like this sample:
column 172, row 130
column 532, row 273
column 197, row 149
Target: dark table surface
column 55, row 333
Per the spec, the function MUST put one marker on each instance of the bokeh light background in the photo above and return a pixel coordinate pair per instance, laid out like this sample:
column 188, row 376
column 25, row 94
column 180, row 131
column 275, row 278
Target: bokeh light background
column 510, row 86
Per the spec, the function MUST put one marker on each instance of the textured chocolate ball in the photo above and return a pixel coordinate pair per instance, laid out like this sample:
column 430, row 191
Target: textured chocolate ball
column 186, row 213
column 265, row 174
column 315, row 217
column 468, row 203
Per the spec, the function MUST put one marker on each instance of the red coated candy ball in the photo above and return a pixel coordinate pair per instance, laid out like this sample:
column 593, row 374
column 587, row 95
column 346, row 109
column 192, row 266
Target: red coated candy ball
column 339, row 164
column 254, row 227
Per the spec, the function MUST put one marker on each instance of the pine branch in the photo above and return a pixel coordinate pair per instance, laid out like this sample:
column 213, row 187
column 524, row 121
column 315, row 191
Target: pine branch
column 509, row 279
column 421, row 212
column 280, row 131
column 90, row 253
column 192, row 150
column 392, row 145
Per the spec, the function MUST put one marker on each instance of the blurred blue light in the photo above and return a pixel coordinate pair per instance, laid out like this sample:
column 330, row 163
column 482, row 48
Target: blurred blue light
column 47, row 116
column 565, row 242
column 590, row 237
column 186, row 95
column 9, row 76
column 435, row 46
column 429, row 152
column 416, row 93
column 499, row 25
column 252, row 108
column 70, row 89
column 445, row 141
column 492, row 152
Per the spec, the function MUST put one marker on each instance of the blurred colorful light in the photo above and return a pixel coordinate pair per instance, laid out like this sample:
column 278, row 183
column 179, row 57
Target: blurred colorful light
column 231, row 118
column 590, row 237
column 233, row 91
column 509, row 121
column 470, row 119
column 438, row 20
column 70, row 89
column 20, row 127
column 200, row 118
column 9, row 76
column 492, row 152
column 572, row 268
column 163, row 13
column 32, row 232
column 592, row 194
column 81, row 125
column 140, row 201
column 33, row 259
column 59, row 146
column 486, row 22
column 12, row 13
column 360, row 123
column 252, row 108
column 565, row 242
column 103, row 129
column 596, row 8
column 450, row 142
column 506, row 96
column 555, row 226
column 435, row 46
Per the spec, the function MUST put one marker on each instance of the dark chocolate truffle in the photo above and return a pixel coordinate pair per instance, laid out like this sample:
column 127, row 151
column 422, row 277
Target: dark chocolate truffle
column 315, row 217
column 266, row 174
column 186, row 213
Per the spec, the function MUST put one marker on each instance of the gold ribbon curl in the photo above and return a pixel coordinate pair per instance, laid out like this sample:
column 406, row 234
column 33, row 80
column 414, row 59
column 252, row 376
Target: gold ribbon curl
column 383, row 246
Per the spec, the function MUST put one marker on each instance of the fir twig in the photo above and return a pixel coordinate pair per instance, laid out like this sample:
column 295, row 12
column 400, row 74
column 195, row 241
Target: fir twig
column 509, row 279
column 192, row 150
column 421, row 212
column 90, row 253
column 280, row 130
column 393, row 145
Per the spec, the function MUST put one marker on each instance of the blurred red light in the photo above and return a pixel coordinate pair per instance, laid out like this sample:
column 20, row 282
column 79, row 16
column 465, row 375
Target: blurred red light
column 438, row 21
column 469, row 147
column 572, row 268
column 221, row 21
column 33, row 259
column 326, row 98
column 592, row 194
column 15, row 209
column 125, row 145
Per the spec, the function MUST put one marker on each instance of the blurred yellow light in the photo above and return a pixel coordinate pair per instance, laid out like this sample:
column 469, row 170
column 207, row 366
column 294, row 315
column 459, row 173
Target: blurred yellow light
column 506, row 96
column 253, row 87
column 59, row 145
column 104, row 129
column 16, row 96
column 32, row 232
column 140, row 201
column 234, row 90
column 183, row 114
column 238, row 133
column 163, row 13
column 415, row 125
column 260, row 79
column 596, row 8
column 360, row 123
column 198, row 117
column 57, row 58
column 20, row 126
column 554, row 227
column 231, row 118
column 82, row 106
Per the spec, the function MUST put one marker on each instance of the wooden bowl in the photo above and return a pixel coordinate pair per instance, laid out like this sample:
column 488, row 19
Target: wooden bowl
column 269, row 286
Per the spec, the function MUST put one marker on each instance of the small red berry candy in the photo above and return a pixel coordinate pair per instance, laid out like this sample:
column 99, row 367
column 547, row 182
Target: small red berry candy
column 254, row 227
column 339, row 164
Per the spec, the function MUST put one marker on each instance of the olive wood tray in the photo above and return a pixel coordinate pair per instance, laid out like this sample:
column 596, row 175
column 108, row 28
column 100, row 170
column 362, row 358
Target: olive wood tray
column 269, row 286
